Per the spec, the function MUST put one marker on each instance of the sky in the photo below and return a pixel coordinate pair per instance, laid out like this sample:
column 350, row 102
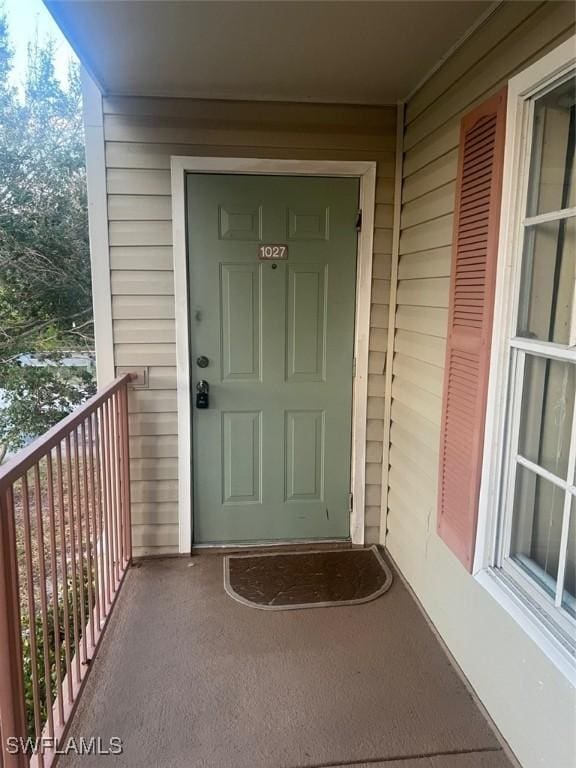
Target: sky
column 24, row 18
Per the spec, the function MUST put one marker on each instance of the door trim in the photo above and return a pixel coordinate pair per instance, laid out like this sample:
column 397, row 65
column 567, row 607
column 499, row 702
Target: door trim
column 366, row 173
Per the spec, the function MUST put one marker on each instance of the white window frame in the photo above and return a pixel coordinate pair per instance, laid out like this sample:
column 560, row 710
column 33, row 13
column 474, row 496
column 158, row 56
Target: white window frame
column 517, row 593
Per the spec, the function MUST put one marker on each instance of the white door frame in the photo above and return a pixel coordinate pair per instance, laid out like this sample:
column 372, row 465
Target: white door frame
column 366, row 173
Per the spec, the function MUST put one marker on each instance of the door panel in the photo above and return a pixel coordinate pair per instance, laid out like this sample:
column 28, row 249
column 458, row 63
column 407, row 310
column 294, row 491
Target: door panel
column 271, row 454
column 306, row 322
column 304, row 453
column 242, row 451
column 240, row 296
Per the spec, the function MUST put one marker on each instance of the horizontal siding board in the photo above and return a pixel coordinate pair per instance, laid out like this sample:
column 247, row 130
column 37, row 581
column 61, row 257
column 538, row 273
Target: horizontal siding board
column 405, row 473
column 384, row 191
column 430, row 349
column 381, row 267
column 436, row 144
column 374, row 429
column 372, row 535
column 422, row 455
column 379, row 316
column 162, row 377
column 431, row 234
column 150, row 491
column 416, row 398
column 432, row 321
column 160, row 513
column 430, row 206
column 154, row 469
column 131, row 181
column 154, row 551
column 139, row 207
column 433, row 176
column 152, row 424
column 133, row 155
column 179, row 130
column 375, row 408
column 375, row 119
column 383, row 216
column 429, row 292
column 373, row 474
column 155, row 535
column 380, row 291
column 382, row 241
column 145, row 354
column 141, row 257
column 372, row 518
column 157, row 447
column 140, row 233
column 378, row 340
column 144, row 331
column 374, row 452
column 373, row 495
column 376, row 362
column 435, row 262
column 376, row 385
column 429, row 377
column 427, row 432
column 142, row 282
column 138, row 307
column 417, row 505
column 152, row 401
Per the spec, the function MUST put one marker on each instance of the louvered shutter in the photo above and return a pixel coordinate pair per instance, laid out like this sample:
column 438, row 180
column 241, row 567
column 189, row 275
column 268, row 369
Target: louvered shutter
column 472, row 282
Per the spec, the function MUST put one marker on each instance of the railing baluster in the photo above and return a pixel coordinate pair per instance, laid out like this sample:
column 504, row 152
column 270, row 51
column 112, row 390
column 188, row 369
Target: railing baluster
column 94, row 527
column 43, row 600
column 31, row 610
column 111, row 510
column 81, row 573
column 64, row 571
column 115, row 484
column 101, row 510
column 90, row 596
column 72, row 526
column 79, row 529
column 55, row 590
column 106, row 483
column 12, row 704
column 126, row 499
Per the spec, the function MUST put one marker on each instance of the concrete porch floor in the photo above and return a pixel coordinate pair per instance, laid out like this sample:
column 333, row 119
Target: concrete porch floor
column 186, row 676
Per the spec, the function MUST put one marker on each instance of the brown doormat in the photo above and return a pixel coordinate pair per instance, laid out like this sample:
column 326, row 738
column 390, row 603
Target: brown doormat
column 277, row 581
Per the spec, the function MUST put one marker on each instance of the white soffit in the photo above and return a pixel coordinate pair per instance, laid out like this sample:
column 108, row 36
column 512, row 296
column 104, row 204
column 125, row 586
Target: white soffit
column 351, row 51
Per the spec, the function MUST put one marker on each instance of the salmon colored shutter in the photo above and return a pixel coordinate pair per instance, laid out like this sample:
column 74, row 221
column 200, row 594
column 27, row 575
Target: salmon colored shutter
column 472, row 282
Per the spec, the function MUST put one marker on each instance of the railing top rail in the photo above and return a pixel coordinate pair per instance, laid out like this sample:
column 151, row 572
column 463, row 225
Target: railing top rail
column 29, row 456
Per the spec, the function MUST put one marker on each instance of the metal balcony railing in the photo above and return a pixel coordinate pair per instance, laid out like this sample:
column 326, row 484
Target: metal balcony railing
column 65, row 545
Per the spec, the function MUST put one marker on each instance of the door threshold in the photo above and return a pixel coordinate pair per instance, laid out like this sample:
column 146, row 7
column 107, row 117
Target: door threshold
column 300, row 544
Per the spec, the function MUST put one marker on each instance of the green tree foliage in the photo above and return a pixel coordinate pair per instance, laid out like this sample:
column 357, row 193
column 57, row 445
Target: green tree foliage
column 45, row 291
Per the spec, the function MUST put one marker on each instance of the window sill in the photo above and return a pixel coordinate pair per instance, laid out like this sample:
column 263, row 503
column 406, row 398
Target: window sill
column 552, row 642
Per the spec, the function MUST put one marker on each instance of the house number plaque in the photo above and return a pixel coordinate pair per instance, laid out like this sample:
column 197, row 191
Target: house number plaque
column 272, row 251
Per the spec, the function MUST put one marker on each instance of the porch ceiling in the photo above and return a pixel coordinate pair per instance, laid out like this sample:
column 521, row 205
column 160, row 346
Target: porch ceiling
column 347, row 52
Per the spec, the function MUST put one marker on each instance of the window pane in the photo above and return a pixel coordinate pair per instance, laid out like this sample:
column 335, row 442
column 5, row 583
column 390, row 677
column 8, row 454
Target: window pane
column 537, row 526
column 548, row 275
column 552, row 183
column 569, row 594
column 546, row 415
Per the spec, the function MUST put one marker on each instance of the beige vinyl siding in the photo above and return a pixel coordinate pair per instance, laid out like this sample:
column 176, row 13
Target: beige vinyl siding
column 523, row 691
column 141, row 135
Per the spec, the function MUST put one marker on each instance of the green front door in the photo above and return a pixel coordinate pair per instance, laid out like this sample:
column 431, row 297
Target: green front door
column 271, row 452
